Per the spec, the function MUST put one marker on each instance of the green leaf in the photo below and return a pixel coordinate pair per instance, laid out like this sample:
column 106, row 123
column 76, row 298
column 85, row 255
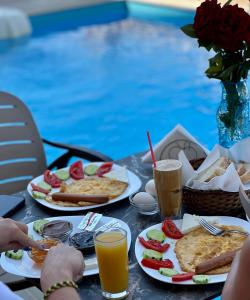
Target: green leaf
column 189, row 30
column 206, row 45
column 216, row 61
column 229, row 73
column 216, row 48
column 247, row 52
column 212, row 71
column 228, row 2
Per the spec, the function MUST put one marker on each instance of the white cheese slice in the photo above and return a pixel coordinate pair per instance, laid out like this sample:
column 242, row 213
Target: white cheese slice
column 120, row 174
column 191, row 222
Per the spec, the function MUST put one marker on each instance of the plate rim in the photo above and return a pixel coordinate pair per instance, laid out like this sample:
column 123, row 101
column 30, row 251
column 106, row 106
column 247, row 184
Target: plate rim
column 86, row 272
column 148, row 271
column 137, row 186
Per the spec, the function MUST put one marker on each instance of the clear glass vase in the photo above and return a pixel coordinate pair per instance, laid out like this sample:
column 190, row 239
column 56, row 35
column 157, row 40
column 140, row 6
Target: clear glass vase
column 233, row 114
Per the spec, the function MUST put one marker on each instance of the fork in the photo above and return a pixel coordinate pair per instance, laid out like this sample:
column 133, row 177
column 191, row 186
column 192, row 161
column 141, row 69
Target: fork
column 218, row 231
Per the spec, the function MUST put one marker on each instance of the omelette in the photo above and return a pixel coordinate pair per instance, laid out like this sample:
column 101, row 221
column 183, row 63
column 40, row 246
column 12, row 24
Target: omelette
column 91, row 186
column 199, row 245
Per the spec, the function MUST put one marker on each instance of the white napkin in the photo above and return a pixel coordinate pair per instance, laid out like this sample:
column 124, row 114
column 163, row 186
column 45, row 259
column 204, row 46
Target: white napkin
column 245, row 201
column 177, row 139
column 230, row 180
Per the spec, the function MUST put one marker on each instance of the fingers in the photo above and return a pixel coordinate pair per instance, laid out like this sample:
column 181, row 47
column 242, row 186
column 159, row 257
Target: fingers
column 22, row 227
column 12, row 246
column 24, row 240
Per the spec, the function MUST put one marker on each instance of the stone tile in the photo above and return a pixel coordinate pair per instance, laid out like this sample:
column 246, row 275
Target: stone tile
column 30, row 294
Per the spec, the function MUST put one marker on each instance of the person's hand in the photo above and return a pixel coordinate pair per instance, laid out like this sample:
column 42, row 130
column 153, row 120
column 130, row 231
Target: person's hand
column 62, row 263
column 14, row 236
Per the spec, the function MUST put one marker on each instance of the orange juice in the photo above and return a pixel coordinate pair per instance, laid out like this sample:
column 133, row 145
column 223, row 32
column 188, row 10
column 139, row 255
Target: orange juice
column 112, row 256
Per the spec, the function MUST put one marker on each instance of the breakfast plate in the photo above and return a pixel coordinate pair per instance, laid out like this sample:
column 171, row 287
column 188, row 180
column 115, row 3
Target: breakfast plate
column 133, row 185
column 170, row 253
column 26, row 266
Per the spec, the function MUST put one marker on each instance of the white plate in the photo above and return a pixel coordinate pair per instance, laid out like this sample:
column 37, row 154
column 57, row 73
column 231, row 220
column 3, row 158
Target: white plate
column 170, row 254
column 133, row 186
column 27, row 268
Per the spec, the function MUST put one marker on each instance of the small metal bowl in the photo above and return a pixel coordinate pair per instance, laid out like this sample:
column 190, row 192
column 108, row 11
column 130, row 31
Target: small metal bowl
column 62, row 235
column 145, row 209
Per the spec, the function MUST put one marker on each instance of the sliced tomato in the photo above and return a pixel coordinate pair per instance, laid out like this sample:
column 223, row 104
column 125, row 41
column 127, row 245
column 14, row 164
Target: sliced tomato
column 182, row 277
column 76, row 170
column 154, row 245
column 171, row 230
column 52, row 179
column 104, row 168
column 39, row 189
column 157, row 264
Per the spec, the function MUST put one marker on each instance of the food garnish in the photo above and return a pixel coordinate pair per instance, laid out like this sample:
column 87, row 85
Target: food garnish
column 104, row 168
column 76, row 170
column 14, row 254
column 38, row 195
column 62, row 174
column 154, row 245
column 37, row 225
column 182, row 277
column 157, row 264
column 148, row 253
column 171, row 230
column 91, row 169
column 44, row 186
column 168, row 272
column 52, row 179
column 156, row 235
column 39, row 189
column 200, row 279
column 83, row 241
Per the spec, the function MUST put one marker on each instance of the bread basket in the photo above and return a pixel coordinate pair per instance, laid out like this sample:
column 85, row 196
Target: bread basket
column 212, row 202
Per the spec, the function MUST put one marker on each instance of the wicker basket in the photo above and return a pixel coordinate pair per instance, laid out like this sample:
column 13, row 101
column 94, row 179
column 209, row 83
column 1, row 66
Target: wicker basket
column 213, row 202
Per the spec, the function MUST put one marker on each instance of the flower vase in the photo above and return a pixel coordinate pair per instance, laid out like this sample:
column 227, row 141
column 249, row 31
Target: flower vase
column 233, row 114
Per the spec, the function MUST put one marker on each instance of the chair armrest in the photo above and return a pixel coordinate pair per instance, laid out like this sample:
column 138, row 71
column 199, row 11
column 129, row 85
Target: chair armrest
column 81, row 152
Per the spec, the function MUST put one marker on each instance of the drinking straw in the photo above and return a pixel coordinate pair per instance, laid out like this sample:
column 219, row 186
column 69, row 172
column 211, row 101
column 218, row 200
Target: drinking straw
column 151, row 149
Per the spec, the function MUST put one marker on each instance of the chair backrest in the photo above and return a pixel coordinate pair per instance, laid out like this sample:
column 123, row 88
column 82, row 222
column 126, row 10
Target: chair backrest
column 21, row 150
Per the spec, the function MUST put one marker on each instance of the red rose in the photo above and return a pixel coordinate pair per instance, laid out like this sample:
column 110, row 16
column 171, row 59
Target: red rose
column 232, row 28
column 205, row 20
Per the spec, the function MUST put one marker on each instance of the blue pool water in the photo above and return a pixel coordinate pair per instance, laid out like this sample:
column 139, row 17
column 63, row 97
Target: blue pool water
column 104, row 85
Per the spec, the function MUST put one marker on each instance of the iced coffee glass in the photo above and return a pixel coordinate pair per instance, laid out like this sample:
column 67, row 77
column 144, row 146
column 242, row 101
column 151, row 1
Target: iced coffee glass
column 168, row 183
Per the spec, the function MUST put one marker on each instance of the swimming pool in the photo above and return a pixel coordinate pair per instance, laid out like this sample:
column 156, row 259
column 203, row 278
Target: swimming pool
column 104, row 81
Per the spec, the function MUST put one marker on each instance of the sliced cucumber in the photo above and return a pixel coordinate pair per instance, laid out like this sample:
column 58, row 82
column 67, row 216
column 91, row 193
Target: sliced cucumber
column 200, row 279
column 156, row 235
column 90, row 169
column 44, row 185
column 168, row 272
column 37, row 225
column 62, row 174
column 148, row 253
column 38, row 195
column 14, row 254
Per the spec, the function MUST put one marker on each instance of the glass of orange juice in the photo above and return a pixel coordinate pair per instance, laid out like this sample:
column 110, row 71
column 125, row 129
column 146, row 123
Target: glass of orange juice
column 112, row 256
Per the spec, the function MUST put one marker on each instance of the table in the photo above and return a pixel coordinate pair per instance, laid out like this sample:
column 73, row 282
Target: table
column 141, row 286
